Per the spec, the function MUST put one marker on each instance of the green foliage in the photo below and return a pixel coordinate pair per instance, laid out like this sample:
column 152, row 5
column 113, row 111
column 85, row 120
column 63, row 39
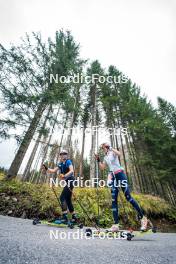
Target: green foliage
column 39, row 200
column 25, row 76
column 151, row 130
column 167, row 111
column 32, row 200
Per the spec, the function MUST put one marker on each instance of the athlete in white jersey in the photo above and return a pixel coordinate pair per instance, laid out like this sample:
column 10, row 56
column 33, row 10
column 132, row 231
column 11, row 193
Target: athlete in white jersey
column 111, row 160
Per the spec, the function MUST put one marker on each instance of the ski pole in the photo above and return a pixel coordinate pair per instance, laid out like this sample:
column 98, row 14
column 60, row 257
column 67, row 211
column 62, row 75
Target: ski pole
column 56, row 196
column 85, row 212
column 97, row 176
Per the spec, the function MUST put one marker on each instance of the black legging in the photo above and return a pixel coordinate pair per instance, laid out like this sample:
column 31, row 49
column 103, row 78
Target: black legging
column 66, row 199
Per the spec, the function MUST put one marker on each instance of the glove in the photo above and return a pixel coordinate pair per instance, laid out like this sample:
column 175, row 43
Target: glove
column 97, row 157
column 61, row 176
column 44, row 167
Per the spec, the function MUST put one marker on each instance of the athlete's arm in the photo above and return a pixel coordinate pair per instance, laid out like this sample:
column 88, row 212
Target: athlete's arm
column 52, row 170
column 48, row 170
column 116, row 152
column 71, row 171
column 101, row 165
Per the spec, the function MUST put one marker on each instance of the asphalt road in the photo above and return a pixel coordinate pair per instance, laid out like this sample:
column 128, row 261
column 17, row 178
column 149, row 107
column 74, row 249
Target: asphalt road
column 23, row 243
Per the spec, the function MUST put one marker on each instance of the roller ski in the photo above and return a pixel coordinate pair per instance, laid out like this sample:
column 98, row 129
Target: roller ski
column 146, row 228
column 117, row 233
column 60, row 223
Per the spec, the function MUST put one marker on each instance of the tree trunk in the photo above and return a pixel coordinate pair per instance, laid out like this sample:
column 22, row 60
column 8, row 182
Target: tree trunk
column 82, row 153
column 122, row 146
column 73, row 118
column 45, row 151
column 62, row 137
column 134, row 177
column 14, row 168
column 93, row 131
column 26, row 174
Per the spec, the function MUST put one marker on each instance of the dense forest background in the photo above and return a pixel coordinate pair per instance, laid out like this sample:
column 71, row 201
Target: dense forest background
column 40, row 115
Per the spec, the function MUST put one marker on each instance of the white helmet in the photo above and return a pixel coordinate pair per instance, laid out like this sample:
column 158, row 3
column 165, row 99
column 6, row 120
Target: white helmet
column 105, row 144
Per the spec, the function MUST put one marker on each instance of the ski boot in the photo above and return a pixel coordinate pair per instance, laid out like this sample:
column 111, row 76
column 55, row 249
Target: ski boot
column 75, row 222
column 62, row 220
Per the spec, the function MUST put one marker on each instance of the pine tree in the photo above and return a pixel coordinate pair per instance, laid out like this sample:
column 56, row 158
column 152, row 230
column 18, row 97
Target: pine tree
column 26, row 86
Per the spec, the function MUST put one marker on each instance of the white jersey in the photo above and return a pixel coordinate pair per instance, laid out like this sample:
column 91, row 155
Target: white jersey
column 112, row 160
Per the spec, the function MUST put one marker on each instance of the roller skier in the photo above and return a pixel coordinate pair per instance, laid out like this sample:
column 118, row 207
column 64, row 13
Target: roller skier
column 116, row 175
column 66, row 173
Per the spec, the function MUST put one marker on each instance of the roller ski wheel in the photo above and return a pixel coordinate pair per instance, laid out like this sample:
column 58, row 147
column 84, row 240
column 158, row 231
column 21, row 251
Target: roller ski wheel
column 71, row 225
column 36, row 221
column 76, row 223
column 81, row 226
column 88, row 232
column 154, row 229
column 129, row 236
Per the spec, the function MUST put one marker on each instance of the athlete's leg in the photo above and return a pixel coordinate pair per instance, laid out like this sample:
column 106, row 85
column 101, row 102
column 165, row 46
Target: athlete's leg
column 125, row 188
column 68, row 198
column 114, row 195
column 70, row 187
column 63, row 203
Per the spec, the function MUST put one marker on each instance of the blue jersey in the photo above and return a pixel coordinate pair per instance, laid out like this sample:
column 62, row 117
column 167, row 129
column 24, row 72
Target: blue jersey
column 64, row 167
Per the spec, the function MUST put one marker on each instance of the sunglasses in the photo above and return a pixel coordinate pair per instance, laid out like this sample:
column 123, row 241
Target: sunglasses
column 63, row 153
column 105, row 146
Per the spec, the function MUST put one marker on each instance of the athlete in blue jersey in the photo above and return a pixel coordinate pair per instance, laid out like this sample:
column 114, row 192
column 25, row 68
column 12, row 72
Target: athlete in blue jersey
column 67, row 173
column 116, row 175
